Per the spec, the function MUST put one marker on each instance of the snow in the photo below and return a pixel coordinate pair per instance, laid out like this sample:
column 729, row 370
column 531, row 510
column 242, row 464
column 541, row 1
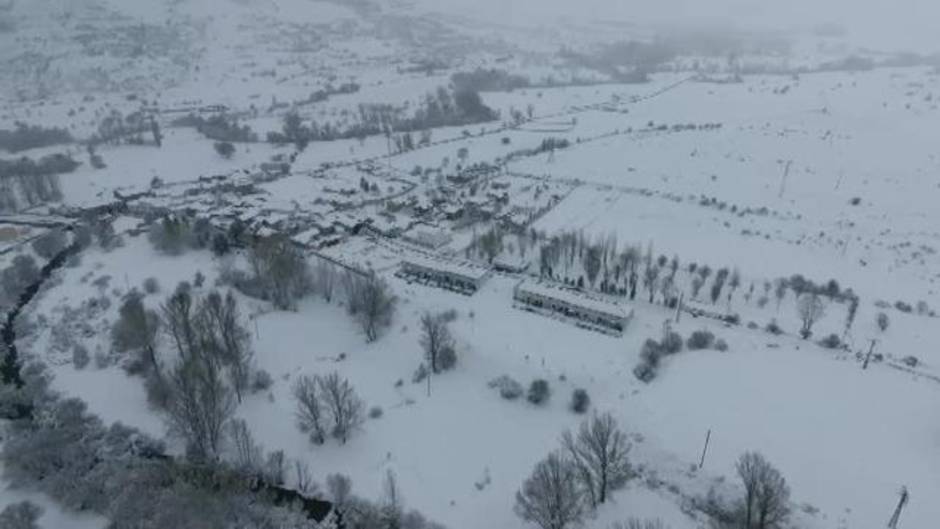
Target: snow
column 770, row 192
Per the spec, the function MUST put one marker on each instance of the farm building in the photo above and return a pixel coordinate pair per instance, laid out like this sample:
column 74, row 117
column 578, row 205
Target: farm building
column 584, row 309
column 465, row 278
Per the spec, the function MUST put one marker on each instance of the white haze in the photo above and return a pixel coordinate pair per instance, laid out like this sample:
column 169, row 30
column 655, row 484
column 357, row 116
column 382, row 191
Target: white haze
column 886, row 24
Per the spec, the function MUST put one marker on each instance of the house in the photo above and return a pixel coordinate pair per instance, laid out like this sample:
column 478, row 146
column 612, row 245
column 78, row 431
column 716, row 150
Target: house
column 462, row 277
column 429, row 238
column 585, row 310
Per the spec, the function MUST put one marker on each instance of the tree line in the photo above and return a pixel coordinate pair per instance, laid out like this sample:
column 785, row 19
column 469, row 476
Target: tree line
column 441, row 108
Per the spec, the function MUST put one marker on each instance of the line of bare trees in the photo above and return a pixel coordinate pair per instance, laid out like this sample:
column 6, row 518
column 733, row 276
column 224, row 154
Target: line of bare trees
column 576, row 260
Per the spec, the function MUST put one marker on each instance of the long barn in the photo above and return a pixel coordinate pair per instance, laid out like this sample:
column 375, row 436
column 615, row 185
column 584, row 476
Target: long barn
column 584, row 309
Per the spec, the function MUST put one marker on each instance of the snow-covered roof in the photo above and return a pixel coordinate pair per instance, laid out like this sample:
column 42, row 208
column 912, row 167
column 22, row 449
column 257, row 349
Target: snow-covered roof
column 572, row 297
column 440, row 264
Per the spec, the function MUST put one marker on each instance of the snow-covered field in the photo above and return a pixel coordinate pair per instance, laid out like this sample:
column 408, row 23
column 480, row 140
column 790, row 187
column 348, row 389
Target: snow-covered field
column 832, row 175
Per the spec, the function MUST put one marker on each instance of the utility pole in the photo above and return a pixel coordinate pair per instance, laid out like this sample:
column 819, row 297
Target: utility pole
column 679, row 306
column 783, row 180
column 893, row 522
column 868, row 356
column 708, row 437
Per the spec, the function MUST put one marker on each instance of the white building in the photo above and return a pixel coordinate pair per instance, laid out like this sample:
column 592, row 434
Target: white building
column 584, row 309
column 462, row 277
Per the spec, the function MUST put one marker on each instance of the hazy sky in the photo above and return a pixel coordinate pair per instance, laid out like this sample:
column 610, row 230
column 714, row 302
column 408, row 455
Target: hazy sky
column 881, row 23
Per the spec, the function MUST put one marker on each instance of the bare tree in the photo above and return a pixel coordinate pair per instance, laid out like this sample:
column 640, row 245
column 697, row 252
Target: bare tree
column 246, row 452
column 326, row 280
column 303, row 477
column 592, row 263
column 339, row 487
column 435, row 339
column 491, row 244
column 371, row 302
column 275, row 468
column 392, row 510
column 550, row 497
column 766, row 494
column 599, row 453
column 136, row 329
column 345, row 407
column 810, row 309
column 280, row 270
column 200, row 404
column 310, row 410
column 222, row 330
column 178, row 314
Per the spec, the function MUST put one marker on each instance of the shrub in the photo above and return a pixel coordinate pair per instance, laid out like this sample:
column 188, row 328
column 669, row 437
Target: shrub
column 651, row 352
column 672, row 343
column 420, row 374
column 102, row 360
column 721, row 345
column 644, row 372
column 80, row 356
column 447, row 358
column 700, row 340
column 375, row 412
column 539, row 391
column 773, row 328
column 261, row 381
column 22, row 515
column 50, row 244
column 910, row 361
column 580, row 401
column 882, row 321
column 831, row 342
column 224, row 149
column 449, row 315
column 508, row 387
column 159, row 393
column 903, row 307
column 151, row 285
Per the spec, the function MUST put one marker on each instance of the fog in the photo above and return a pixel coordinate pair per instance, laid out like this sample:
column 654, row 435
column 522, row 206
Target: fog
column 893, row 25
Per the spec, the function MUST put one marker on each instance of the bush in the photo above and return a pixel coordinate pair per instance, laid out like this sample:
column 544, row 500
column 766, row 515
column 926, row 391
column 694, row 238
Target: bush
column 903, row 307
column 447, row 358
column 22, row 515
column 910, row 361
column 580, row 401
column 651, row 352
column 882, row 321
column 151, row 285
column 672, row 343
column 700, row 340
column 509, row 388
column 80, row 356
column 50, row 244
column 375, row 412
column 644, row 372
column 159, row 393
column 539, row 391
column 773, row 328
column 261, row 381
column 831, row 342
column 420, row 374
column 721, row 345
column 224, row 149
